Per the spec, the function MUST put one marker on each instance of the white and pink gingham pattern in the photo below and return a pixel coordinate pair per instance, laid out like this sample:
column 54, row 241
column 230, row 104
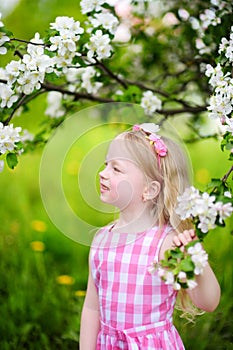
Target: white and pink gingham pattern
column 136, row 307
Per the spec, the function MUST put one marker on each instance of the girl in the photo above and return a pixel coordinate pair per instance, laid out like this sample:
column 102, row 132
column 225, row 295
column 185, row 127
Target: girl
column 126, row 307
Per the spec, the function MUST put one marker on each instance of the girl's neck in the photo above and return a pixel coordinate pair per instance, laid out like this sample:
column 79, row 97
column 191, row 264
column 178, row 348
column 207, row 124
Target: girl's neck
column 129, row 222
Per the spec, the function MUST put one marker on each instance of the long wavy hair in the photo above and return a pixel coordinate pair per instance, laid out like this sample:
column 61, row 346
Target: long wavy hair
column 174, row 175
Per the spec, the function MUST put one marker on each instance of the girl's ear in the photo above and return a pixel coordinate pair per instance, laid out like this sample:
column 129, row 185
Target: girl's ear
column 151, row 191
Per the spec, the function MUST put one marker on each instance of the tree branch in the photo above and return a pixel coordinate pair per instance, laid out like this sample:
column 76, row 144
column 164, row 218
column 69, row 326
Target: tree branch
column 78, row 95
column 27, row 42
column 225, row 177
column 102, row 66
column 188, row 109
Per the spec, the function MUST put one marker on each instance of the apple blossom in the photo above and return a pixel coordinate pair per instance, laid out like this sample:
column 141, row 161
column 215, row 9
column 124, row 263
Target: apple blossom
column 106, row 20
column 7, row 96
column 150, row 103
column 91, row 5
column 199, row 257
column 55, row 108
column 3, row 39
column 99, row 46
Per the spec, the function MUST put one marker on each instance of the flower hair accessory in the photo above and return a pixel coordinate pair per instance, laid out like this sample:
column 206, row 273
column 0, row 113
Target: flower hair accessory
column 150, row 129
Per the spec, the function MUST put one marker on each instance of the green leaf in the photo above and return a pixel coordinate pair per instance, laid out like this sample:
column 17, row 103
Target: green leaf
column 186, row 265
column 12, row 160
column 176, row 253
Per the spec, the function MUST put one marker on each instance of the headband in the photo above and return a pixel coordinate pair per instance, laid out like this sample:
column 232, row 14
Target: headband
column 150, row 129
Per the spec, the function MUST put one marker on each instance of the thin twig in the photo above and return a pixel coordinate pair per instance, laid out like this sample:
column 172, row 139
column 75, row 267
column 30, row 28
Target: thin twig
column 18, row 53
column 24, row 100
column 26, row 41
column 19, row 104
column 102, row 66
column 77, row 95
column 225, row 177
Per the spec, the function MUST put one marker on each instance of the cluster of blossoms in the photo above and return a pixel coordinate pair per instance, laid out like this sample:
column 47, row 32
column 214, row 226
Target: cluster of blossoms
column 9, row 138
column 83, row 78
column 3, row 39
column 55, row 108
column 64, row 43
column 102, row 24
column 220, row 104
column 26, row 74
column 150, row 103
column 189, row 264
column 210, row 17
column 79, row 79
column 203, row 208
column 58, row 54
column 99, row 46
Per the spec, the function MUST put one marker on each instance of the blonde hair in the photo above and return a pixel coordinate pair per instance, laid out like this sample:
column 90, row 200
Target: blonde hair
column 173, row 174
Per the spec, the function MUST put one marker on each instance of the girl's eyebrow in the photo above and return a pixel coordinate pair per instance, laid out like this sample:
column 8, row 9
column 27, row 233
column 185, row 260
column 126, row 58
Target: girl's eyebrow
column 114, row 161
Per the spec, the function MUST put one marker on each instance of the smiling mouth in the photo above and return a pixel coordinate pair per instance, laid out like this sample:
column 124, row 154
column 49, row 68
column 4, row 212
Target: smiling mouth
column 103, row 188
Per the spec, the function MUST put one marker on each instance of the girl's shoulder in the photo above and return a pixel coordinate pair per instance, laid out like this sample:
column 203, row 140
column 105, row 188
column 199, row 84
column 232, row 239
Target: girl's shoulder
column 167, row 241
column 101, row 235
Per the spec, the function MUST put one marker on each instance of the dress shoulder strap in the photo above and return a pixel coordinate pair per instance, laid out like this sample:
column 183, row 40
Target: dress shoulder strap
column 158, row 240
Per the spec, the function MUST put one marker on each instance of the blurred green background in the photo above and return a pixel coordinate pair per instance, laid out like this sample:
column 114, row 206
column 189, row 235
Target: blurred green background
column 44, row 273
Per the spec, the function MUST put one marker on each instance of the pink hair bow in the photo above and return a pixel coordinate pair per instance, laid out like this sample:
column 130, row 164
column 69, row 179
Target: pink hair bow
column 150, row 130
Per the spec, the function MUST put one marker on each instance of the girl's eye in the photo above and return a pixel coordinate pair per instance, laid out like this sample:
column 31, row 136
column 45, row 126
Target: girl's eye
column 116, row 169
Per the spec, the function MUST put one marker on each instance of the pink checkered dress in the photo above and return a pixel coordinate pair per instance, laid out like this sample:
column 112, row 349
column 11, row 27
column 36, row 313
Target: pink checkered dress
column 136, row 307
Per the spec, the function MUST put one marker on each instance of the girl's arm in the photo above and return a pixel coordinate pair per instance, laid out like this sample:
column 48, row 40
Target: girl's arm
column 206, row 295
column 90, row 318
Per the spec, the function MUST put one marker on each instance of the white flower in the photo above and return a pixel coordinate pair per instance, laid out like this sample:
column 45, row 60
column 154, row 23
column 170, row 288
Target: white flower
column 191, row 284
column 152, row 268
column 3, row 40
column 182, row 276
column 215, row 74
column 227, row 194
column 150, row 127
column 176, row 286
column 1, row 165
column 150, row 103
column 30, row 81
column 13, row 69
column 187, row 203
column 1, row 23
column 209, row 18
column 199, row 257
column 99, row 46
column 183, row 14
column 229, row 52
column 87, row 84
column 7, row 95
column 229, row 125
column 161, row 272
column 219, row 107
column 223, row 45
column 8, row 137
column 205, row 203
column 194, row 23
column 55, row 108
column 206, row 223
column 224, row 210
column 168, row 277
column 106, row 20
column 91, row 5
column 67, row 25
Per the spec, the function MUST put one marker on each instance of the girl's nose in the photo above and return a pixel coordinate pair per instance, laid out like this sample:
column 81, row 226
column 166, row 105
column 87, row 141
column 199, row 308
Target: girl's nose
column 103, row 174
